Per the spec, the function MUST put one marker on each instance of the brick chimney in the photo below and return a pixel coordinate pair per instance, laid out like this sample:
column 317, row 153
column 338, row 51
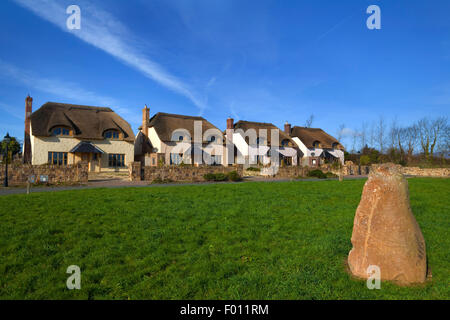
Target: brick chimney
column 145, row 120
column 287, row 128
column 229, row 140
column 26, row 140
column 230, row 123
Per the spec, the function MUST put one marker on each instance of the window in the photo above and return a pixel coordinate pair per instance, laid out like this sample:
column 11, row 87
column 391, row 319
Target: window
column 212, row 139
column 180, row 138
column 316, row 144
column 57, row 158
column 335, row 145
column 61, row 131
column 111, row 134
column 176, row 158
column 116, row 160
column 216, row 160
column 285, row 143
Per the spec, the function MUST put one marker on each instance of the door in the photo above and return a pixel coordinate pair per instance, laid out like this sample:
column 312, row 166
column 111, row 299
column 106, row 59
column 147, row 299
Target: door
column 93, row 162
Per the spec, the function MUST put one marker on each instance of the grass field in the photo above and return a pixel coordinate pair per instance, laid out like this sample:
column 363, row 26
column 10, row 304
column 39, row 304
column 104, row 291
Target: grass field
column 234, row 241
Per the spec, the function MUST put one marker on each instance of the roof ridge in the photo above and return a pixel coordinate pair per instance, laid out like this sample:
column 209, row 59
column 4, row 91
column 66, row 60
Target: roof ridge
column 256, row 122
column 78, row 106
column 300, row 127
column 177, row 115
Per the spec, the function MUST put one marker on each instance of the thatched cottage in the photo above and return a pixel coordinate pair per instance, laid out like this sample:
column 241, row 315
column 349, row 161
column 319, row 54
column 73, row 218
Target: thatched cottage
column 316, row 145
column 63, row 134
column 254, row 143
column 173, row 139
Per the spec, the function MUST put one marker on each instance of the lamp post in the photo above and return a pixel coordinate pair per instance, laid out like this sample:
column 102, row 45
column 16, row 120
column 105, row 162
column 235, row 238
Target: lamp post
column 7, row 139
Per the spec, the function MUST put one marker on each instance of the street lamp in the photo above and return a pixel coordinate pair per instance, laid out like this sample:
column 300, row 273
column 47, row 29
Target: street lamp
column 7, row 139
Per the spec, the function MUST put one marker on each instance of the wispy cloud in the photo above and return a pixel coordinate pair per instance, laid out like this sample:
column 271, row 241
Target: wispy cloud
column 67, row 90
column 233, row 111
column 11, row 111
column 102, row 30
column 347, row 132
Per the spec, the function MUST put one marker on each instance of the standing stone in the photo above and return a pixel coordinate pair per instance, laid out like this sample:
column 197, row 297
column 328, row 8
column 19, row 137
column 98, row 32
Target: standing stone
column 385, row 232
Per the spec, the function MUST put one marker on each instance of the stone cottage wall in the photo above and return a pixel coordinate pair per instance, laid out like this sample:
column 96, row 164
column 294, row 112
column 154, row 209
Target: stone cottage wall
column 20, row 173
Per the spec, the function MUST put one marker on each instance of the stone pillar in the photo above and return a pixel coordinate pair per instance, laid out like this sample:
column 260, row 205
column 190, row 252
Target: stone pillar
column 385, row 232
column 27, row 140
column 134, row 171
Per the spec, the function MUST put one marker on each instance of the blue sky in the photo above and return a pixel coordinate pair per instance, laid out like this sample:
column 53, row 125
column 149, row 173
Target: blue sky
column 253, row 60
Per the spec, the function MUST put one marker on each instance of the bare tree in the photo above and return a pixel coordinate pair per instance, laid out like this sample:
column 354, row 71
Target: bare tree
column 309, row 121
column 355, row 136
column 340, row 133
column 372, row 135
column 394, row 134
column 445, row 145
column 430, row 133
column 407, row 140
column 381, row 133
column 363, row 135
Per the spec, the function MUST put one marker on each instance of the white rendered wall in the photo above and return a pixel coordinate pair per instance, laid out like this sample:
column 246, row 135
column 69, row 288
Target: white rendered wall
column 41, row 146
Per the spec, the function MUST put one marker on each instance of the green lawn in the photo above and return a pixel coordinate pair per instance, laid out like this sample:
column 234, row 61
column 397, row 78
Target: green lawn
column 232, row 241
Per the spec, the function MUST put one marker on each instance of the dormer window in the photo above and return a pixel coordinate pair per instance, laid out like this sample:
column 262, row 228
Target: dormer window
column 61, row 131
column 316, row 144
column 112, row 134
column 285, row 143
column 335, row 145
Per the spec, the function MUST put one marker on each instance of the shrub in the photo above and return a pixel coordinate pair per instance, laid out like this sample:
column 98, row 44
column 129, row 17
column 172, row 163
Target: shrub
column 220, row 177
column 209, row 177
column 234, row 176
column 253, row 169
column 364, row 160
column 317, row 174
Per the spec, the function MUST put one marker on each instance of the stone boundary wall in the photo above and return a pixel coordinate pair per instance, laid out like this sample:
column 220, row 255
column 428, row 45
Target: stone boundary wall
column 426, row 172
column 20, row 173
column 195, row 174
column 177, row 173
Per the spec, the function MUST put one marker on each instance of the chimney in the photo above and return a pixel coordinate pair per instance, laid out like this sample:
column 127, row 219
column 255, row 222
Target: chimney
column 145, row 120
column 26, row 140
column 230, row 123
column 229, row 139
column 287, row 128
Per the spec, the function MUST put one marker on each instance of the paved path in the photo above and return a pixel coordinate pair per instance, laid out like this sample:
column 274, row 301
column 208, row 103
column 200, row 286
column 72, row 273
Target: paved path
column 124, row 184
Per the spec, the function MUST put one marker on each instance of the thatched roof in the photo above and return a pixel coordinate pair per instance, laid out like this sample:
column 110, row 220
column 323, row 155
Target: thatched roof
column 310, row 135
column 87, row 122
column 245, row 125
column 166, row 124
